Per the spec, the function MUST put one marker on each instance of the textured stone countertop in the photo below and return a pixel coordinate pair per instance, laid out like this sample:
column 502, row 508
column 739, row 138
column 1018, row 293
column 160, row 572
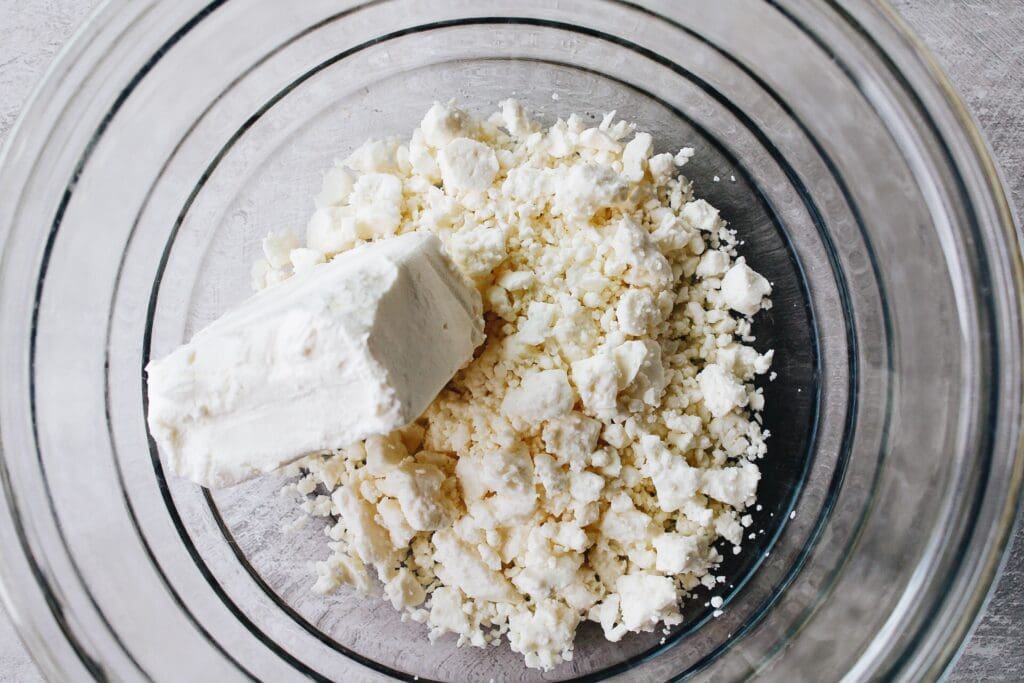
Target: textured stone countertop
column 980, row 43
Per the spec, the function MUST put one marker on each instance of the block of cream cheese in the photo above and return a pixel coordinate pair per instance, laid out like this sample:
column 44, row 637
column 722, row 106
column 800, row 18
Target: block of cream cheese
column 350, row 348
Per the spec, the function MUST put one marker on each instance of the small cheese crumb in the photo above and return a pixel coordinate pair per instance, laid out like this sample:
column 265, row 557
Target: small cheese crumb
column 542, row 396
column 744, row 290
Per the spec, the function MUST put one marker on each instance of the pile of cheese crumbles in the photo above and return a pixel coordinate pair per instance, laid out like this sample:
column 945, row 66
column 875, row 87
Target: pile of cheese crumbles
column 587, row 460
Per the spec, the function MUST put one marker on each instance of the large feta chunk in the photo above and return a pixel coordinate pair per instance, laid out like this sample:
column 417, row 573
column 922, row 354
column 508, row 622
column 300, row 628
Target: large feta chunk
column 350, row 348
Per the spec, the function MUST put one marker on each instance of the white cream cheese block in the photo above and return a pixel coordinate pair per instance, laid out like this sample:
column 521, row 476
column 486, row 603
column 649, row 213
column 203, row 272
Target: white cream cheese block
column 341, row 351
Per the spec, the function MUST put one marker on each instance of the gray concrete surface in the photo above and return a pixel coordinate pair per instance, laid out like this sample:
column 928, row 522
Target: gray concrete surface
column 980, row 43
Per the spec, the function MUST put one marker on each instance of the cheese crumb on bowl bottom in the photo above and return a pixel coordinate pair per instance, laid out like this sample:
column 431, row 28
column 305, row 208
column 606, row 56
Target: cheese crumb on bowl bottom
column 600, row 452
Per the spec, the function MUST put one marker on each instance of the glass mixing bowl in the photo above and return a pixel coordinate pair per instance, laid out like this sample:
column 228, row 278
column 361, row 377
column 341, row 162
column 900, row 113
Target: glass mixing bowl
column 170, row 136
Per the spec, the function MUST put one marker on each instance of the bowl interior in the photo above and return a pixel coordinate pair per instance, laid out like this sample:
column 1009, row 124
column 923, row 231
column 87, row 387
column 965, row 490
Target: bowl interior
column 264, row 179
column 181, row 133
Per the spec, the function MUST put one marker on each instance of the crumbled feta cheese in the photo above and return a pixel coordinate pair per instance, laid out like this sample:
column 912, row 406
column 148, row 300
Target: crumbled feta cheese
column 446, row 612
column 417, row 486
column 640, row 371
column 735, row 486
column 684, row 155
column 277, row 248
column 478, row 251
column 661, row 167
column 584, row 189
column 370, row 541
column 404, row 591
column 377, row 201
column 497, row 486
column 637, row 312
column 460, row 566
column 647, row 266
column 647, row 600
column 542, row 396
column 674, row 480
column 721, row 391
column 466, row 166
column 587, row 459
column 516, row 280
column 713, row 263
column 303, row 259
column 539, row 323
column 743, row 289
column 332, row 230
column 443, row 123
column 544, row 634
column 571, row 439
column 674, row 552
column 597, row 380
column 515, row 119
column 701, row 215
column 635, row 156
column 336, row 187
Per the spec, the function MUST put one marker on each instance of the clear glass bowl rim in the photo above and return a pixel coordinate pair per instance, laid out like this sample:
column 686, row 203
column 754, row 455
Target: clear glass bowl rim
column 983, row 571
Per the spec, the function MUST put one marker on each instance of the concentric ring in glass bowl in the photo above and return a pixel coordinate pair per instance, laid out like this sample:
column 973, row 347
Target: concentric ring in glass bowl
column 169, row 137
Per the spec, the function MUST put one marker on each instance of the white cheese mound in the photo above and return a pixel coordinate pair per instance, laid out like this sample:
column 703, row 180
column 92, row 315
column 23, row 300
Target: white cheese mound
column 585, row 462
column 340, row 351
